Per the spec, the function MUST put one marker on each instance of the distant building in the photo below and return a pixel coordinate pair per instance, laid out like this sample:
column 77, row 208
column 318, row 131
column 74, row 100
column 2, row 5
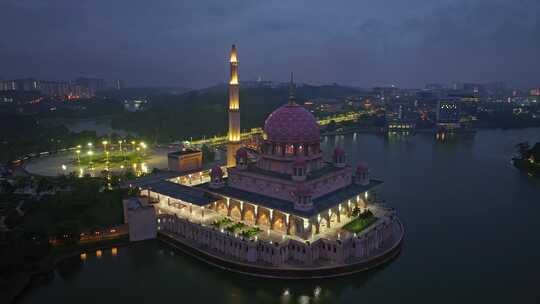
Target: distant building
column 92, row 85
column 135, row 105
column 7, row 85
column 534, row 92
column 119, row 84
column 185, row 160
column 54, row 88
column 448, row 113
column 27, row 84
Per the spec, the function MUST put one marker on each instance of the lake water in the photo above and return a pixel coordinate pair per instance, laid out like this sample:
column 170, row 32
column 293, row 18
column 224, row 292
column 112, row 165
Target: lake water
column 472, row 235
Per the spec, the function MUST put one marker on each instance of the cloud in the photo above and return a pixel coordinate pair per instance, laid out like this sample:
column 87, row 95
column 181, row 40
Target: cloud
column 352, row 42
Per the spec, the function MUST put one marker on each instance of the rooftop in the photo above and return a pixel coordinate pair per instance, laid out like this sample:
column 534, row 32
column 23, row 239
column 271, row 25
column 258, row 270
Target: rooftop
column 188, row 194
column 320, row 204
column 151, row 178
column 183, row 152
column 311, row 175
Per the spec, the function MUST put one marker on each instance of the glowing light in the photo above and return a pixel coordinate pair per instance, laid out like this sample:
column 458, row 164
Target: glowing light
column 64, row 167
column 90, row 144
column 114, row 251
column 83, row 256
column 99, row 253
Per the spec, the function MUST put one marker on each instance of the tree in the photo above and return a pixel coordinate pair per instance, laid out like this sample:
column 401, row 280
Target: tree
column 524, row 149
column 207, row 154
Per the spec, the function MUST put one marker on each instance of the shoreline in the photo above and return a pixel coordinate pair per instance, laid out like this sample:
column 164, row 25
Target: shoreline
column 50, row 263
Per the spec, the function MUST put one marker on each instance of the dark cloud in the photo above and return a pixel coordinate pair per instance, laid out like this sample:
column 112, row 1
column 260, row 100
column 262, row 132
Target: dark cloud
column 356, row 42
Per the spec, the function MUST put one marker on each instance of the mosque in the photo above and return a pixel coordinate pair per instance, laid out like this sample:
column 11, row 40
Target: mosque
column 281, row 210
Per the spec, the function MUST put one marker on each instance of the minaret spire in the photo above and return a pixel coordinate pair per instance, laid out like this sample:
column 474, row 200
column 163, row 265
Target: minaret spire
column 291, row 90
column 234, row 110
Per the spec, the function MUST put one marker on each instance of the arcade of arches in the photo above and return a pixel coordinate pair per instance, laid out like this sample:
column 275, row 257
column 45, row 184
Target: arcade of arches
column 282, row 222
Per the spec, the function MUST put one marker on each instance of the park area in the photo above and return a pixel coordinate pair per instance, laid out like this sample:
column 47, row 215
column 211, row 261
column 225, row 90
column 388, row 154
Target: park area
column 94, row 161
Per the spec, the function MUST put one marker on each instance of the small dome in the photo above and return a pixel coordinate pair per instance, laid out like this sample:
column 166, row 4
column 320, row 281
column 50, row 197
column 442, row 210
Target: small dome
column 339, row 152
column 362, row 167
column 292, row 124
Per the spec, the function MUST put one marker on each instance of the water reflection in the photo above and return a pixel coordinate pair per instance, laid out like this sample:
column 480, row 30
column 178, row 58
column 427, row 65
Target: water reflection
column 452, row 198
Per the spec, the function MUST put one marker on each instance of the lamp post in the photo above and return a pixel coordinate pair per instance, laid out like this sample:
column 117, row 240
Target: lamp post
column 78, row 153
column 143, row 146
column 105, row 150
column 90, row 153
column 121, row 151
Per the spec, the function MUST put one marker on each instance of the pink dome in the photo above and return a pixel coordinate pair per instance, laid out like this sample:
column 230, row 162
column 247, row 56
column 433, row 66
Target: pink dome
column 292, row 124
column 362, row 167
column 339, row 152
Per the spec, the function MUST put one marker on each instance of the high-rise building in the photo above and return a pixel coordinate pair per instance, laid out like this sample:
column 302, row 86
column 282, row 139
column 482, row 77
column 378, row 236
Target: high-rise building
column 27, row 84
column 234, row 110
column 7, row 85
column 92, row 85
column 447, row 113
column 119, row 84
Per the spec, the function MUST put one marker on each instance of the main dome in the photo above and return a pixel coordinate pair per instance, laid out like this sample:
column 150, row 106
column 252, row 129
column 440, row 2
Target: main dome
column 292, row 124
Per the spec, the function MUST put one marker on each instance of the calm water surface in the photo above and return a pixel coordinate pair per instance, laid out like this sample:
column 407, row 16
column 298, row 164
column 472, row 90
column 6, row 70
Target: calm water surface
column 472, row 235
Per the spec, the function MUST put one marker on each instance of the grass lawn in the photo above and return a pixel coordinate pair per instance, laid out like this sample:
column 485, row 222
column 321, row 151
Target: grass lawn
column 359, row 224
column 115, row 158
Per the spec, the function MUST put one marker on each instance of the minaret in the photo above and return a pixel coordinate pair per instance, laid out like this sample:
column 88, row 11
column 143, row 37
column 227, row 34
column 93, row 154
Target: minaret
column 292, row 99
column 234, row 111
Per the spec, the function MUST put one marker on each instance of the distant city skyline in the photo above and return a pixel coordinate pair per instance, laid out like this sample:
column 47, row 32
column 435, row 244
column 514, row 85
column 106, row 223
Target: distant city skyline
column 356, row 43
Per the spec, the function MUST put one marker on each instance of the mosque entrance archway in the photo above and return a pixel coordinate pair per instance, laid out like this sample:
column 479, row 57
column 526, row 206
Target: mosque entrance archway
column 323, row 225
column 221, row 208
column 279, row 224
column 249, row 216
column 333, row 219
column 236, row 213
column 264, row 220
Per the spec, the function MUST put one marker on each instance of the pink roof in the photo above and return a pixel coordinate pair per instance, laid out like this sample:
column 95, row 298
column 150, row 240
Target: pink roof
column 292, row 124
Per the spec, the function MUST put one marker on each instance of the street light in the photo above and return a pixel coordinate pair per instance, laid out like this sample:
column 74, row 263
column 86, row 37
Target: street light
column 78, row 152
column 90, row 153
column 104, row 143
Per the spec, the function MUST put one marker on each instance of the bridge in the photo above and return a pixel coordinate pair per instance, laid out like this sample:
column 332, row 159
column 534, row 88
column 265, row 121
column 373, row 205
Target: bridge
column 220, row 140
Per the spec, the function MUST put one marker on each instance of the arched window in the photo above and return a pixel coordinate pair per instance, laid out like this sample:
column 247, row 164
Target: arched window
column 289, row 149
